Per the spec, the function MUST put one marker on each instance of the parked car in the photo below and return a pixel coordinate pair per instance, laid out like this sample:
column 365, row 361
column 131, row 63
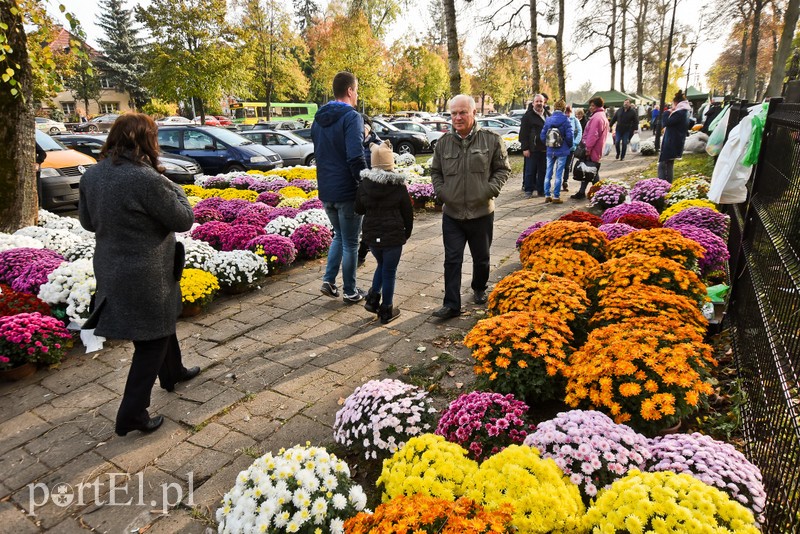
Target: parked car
column 223, row 120
column 102, row 123
column 61, row 172
column 174, row 119
column 304, row 133
column 440, row 125
column 294, row 150
column 511, row 121
column 179, row 169
column 516, row 113
column 402, row 141
column 210, row 120
column 411, row 126
column 497, row 127
column 50, row 126
column 217, row 150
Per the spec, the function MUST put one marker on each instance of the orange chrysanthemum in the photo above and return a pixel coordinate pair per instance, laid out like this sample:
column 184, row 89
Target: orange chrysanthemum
column 565, row 234
column 620, row 304
column 662, row 242
column 647, row 372
column 564, row 262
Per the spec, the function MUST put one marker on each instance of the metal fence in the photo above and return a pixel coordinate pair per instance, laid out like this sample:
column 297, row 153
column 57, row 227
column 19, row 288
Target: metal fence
column 764, row 314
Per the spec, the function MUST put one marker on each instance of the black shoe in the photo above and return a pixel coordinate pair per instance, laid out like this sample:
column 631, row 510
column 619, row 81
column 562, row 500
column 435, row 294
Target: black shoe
column 329, row 290
column 577, row 196
column 356, row 297
column 480, row 297
column 150, row 425
column 187, row 374
column 388, row 314
column 372, row 302
column 361, row 261
column 616, row 157
column 446, row 312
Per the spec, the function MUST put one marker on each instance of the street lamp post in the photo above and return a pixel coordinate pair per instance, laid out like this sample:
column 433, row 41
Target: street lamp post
column 657, row 141
column 689, row 72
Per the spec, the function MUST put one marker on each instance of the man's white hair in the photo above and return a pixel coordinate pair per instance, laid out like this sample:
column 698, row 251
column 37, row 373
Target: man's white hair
column 469, row 99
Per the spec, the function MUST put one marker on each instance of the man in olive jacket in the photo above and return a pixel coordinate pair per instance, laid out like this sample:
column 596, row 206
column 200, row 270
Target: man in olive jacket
column 469, row 167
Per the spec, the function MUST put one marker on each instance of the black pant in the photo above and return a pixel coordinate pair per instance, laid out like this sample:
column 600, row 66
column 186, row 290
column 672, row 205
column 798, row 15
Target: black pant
column 157, row 357
column 456, row 234
column 533, row 172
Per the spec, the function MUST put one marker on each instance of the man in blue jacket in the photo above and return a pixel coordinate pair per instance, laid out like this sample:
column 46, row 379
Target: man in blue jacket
column 338, row 134
column 557, row 137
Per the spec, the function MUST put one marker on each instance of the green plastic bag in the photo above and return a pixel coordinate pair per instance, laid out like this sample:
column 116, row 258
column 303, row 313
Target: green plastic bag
column 754, row 145
column 718, row 292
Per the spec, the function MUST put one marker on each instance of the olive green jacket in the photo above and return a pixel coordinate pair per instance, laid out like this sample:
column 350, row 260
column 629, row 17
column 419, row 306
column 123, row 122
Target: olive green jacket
column 467, row 174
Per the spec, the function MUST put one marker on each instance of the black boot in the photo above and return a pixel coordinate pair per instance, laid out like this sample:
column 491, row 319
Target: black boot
column 372, row 302
column 388, row 314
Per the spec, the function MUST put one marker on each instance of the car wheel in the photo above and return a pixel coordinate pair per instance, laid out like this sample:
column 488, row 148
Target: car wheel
column 405, row 148
column 92, row 128
column 311, row 161
column 512, row 133
column 234, row 167
column 54, row 131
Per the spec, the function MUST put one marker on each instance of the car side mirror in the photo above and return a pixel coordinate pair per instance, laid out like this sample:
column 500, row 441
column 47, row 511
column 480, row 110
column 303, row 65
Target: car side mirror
column 209, row 147
column 290, row 142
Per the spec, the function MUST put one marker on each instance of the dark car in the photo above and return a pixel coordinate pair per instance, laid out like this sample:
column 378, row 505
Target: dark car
column 403, row 142
column 102, row 123
column 179, row 169
column 217, row 150
column 61, row 172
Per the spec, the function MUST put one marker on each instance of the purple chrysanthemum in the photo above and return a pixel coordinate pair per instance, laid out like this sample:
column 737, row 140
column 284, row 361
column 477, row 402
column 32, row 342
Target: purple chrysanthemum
column 652, row 191
column 238, row 236
column 612, row 215
column 609, row 195
column 716, row 249
column 230, row 208
column 15, row 260
column 312, row 240
column 305, row 185
column 211, row 232
column 282, row 212
column 204, row 214
column 277, row 250
column 242, row 182
column 712, row 220
column 615, row 230
column 529, row 230
column 212, row 202
column 312, row 204
column 270, row 198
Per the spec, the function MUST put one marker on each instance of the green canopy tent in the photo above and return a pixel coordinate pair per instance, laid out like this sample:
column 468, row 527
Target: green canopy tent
column 644, row 100
column 611, row 98
column 693, row 95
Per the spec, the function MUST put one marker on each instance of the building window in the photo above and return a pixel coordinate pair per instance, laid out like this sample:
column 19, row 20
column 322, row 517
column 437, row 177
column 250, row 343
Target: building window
column 68, row 108
column 105, row 83
column 109, row 107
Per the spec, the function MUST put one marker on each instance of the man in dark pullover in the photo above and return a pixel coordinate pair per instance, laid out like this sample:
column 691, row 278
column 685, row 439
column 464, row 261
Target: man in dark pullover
column 627, row 120
column 338, row 134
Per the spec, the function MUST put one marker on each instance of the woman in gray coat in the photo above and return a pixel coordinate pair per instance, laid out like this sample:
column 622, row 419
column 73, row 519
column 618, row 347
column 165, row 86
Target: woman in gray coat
column 135, row 211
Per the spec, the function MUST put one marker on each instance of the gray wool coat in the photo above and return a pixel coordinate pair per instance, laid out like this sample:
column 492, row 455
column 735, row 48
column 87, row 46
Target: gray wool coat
column 134, row 212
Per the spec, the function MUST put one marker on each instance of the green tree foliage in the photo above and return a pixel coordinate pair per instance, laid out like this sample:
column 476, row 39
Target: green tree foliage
column 122, row 50
column 347, row 43
column 83, row 80
column 274, row 52
column 306, row 13
column 192, row 54
column 422, row 77
column 380, row 14
column 494, row 76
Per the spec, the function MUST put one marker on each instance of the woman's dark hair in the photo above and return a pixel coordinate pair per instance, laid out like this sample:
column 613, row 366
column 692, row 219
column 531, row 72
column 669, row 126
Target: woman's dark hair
column 597, row 101
column 679, row 96
column 133, row 136
column 367, row 119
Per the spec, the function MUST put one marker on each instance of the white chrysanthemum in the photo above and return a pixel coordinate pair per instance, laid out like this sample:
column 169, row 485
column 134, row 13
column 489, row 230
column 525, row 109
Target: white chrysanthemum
column 59, row 240
column 237, row 267
column 314, row 216
column 9, row 241
column 82, row 250
column 282, row 226
column 197, row 252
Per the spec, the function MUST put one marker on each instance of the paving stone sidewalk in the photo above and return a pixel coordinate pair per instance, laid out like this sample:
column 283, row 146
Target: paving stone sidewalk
column 276, row 364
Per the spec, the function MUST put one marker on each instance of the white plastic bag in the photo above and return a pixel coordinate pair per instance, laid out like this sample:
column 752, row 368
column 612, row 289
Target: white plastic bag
column 717, row 137
column 634, row 142
column 729, row 181
column 609, row 144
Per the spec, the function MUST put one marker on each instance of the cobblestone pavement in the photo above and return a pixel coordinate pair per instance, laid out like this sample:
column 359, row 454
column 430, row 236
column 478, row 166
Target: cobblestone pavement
column 276, row 363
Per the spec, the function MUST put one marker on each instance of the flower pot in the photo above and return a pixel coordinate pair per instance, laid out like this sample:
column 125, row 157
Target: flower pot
column 192, row 309
column 674, row 429
column 237, row 289
column 419, row 203
column 18, row 373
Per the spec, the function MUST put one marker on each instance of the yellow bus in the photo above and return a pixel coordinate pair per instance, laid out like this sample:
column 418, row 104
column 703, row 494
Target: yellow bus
column 252, row 112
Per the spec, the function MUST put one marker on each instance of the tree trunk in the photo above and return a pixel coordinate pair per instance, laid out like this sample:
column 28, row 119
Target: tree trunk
column 202, row 105
column 622, row 37
column 483, row 101
column 535, row 72
column 783, row 50
column 612, row 44
column 737, row 88
column 750, row 90
column 18, row 203
column 453, row 59
column 640, row 29
column 562, row 76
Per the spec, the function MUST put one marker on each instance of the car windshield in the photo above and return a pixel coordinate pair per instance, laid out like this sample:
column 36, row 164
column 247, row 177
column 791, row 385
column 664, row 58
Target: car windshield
column 47, row 143
column 228, row 137
column 296, row 138
column 105, row 118
column 386, row 125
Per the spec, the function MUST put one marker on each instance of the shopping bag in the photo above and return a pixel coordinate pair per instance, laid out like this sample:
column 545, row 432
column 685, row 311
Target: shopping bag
column 609, row 145
column 634, row 143
column 717, row 137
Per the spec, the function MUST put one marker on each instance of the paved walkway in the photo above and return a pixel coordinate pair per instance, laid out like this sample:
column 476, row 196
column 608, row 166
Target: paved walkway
column 277, row 363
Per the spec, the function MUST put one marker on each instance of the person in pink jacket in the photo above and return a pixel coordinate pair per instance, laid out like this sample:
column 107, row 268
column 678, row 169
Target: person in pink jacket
column 594, row 137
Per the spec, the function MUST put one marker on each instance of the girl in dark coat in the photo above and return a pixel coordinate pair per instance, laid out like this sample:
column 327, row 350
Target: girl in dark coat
column 676, row 124
column 135, row 211
column 388, row 221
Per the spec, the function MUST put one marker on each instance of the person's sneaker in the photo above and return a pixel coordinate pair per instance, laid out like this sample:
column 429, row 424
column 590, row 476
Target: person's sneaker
column 329, row 290
column 578, row 196
column 564, row 187
column 446, row 313
column 547, row 200
column 355, row 298
column 557, row 201
column 528, row 195
column 479, row 297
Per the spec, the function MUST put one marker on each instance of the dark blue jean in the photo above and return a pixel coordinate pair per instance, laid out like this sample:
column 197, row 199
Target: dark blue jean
column 388, row 259
column 344, row 248
column 621, row 142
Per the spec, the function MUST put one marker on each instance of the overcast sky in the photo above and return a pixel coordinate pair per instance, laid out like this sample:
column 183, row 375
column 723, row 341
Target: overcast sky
column 414, row 21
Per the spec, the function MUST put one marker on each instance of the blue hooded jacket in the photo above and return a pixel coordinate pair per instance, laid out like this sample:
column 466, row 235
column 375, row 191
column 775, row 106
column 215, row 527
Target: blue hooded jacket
column 338, row 134
column 558, row 120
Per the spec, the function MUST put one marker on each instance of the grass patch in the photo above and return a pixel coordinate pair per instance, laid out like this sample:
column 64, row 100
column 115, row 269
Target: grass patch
column 689, row 164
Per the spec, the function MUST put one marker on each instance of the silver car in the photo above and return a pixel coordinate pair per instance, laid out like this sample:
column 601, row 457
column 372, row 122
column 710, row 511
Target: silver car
column 497, row 127
column 50, row 126
column 293, row 149
column 411, row 126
